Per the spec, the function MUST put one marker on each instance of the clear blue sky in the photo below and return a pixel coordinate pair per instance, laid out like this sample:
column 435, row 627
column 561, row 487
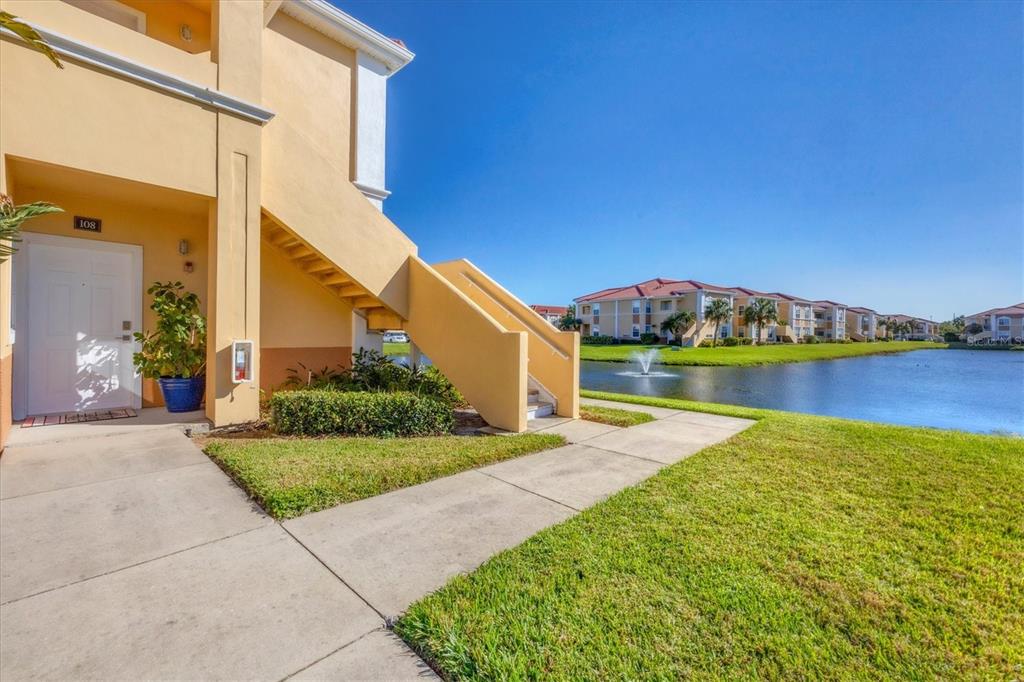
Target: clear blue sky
column 865, row 152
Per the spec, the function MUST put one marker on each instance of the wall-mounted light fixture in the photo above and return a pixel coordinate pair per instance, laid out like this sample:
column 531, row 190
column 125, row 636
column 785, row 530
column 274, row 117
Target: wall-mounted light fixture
column 183, row 247
column 186, row 33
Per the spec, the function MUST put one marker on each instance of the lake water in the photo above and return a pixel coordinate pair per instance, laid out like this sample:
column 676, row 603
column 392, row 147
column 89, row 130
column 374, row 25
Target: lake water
column 970, row 390
column 980, row 391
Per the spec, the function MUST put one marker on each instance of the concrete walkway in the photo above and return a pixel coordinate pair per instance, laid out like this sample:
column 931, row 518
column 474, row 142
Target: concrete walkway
column 129, row 554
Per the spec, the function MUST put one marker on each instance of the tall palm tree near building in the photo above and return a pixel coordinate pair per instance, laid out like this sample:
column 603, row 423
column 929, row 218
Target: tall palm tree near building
column 889, row 325
column 677, row 323
column 760, row 313
column 718, row 311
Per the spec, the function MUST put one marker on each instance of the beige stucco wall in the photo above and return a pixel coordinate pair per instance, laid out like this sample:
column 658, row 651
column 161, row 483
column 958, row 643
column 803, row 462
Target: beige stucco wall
column 306, row 186
column 87, row 119
column 300, row 321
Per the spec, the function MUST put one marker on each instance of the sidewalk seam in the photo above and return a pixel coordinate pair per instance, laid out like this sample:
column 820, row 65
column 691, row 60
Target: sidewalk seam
column 139, row 563
column 323, row 563
column 532, row 492
column 105, row 480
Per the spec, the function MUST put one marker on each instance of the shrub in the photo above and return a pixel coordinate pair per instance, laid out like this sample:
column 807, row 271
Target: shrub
column 359, row 413
column 600, row 340
column 950, row 337
column 730, row 341
column 372, row 371
column 648, row 338
column 812, row 339
column 746, row 341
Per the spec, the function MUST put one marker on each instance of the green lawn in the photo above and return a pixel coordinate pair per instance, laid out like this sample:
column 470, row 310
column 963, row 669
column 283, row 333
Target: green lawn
column 613, row 416
column 805, row 547
column 290, row 477
column 396, row 348
column 754, row 355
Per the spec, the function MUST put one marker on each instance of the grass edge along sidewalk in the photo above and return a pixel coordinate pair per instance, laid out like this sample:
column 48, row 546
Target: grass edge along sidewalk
column 289, row 477
column 803, row 547
column 748, row 356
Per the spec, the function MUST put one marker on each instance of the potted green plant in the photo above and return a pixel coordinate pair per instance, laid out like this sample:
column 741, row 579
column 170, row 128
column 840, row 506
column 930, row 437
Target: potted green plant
column 175, row 352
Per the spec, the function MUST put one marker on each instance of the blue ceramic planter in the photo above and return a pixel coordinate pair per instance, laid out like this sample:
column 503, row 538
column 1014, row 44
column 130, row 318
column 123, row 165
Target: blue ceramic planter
column 182, row 395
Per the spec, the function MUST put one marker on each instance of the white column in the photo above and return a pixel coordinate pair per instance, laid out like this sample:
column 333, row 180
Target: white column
column 616, row 319
column 370, row 128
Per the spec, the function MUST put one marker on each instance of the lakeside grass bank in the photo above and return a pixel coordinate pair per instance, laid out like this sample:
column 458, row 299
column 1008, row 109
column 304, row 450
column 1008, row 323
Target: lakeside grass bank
column 747, row 356
column 803, row 547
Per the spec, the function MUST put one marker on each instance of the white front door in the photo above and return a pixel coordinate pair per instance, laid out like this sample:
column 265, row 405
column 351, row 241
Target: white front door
column 82, row 303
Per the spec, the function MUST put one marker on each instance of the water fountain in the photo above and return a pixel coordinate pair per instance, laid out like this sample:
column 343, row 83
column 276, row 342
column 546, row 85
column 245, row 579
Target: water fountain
column 645, row 359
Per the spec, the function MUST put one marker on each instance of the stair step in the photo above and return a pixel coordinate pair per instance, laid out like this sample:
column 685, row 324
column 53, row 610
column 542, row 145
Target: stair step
column 539, row 409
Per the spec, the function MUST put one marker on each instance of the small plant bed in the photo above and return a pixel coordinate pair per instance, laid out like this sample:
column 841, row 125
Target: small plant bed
column 290, row 477
column 802, row 548
column 613, row 416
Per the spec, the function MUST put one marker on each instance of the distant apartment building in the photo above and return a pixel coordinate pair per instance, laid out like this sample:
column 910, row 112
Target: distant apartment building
column 626, row 313
column 999, row 324
column 551, row 313
column 743, row 299
column 796, row 319
column 920, row 328
column 630, row 311
column 861, row 324
column 829, row 320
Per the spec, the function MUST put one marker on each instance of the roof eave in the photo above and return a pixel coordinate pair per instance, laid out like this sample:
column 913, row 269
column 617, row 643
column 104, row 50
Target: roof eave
column 349, row 31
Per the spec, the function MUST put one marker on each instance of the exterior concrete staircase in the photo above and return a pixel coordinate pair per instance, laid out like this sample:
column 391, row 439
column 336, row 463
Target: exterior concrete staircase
column 490, row 345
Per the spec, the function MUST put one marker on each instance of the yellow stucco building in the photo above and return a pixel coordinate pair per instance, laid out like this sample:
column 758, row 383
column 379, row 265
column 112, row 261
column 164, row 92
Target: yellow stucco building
column 236, row 146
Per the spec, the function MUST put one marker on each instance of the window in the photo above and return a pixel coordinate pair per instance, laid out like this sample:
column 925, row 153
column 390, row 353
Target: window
column 595, row 331
column 739, row 310
column 1003, row 322
column 597, row 309
column 585, row 310
column 647, row 306
column 665, row 305
column 636, row 331
column 636, row 307
column 647, row 329
column 740, row 332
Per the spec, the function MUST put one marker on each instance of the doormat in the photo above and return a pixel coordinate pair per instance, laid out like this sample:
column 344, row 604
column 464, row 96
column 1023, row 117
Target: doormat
column 78, row 417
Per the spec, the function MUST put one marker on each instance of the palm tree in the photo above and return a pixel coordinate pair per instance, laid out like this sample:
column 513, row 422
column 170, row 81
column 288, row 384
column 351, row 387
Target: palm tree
column 718, row 311
column 29, row 35
column 677, row 323
column 569, row 322
column 759, row 313
column 889, row 325
column 11, row 218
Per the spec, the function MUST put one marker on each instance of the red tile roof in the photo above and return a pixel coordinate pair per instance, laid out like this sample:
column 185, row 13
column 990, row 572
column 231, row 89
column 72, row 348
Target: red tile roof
column 659, row 286
column 1012, row 311
column 550, row 309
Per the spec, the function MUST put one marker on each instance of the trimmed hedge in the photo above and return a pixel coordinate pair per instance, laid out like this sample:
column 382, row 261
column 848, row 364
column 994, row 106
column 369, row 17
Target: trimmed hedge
column 359, row 413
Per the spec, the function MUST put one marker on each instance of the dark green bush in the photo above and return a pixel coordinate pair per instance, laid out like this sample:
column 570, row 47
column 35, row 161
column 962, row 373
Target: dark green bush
column 730, row 341
column 746, row 341
column 359, row 413
column 648, row 338
column 812, row 339
column 372, row 371
column 600, row 340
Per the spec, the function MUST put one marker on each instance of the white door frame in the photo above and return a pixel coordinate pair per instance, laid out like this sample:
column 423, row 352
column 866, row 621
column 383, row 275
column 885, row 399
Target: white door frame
column 20, row 307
